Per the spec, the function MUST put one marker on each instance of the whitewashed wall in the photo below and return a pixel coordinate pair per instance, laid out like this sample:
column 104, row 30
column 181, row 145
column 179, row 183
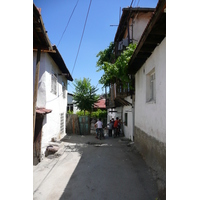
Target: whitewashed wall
column 41, row 96
column 58, row 104
column 136, row 27
column 128, row 130
column 151, row 117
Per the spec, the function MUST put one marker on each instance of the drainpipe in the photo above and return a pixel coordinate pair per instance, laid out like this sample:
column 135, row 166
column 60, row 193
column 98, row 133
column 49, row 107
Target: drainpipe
column 128, row 33
column 36, row 89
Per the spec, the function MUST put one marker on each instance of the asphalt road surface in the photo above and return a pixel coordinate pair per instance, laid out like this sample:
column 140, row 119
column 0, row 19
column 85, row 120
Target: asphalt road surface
column 90, row 169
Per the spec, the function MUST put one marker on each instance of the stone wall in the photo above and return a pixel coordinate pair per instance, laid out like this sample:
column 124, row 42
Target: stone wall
column 154, row 153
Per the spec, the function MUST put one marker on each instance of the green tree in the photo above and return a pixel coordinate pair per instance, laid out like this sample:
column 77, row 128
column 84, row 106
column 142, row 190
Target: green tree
column 117, row 70
column 85, row 94
column 106, row 55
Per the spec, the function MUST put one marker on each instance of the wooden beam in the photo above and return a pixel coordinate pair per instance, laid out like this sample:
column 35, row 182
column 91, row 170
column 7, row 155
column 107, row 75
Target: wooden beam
column 159, row 31
column 45, row 51
column 143, row 55
column 36, row 89
column 153, row 40
column 148, row 49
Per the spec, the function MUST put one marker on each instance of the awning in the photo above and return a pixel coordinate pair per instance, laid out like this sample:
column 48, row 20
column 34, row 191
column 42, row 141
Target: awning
column 121, row 102
column 43, row 111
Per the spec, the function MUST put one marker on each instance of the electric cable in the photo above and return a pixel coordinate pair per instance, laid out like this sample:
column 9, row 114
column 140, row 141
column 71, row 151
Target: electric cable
column 68, row 22
column 81, row 37
column 131, row 3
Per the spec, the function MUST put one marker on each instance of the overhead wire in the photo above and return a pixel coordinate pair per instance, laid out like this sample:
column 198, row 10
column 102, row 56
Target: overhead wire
column 131, row 3
column 70, row 85
column 68, row 22
column 81, row 36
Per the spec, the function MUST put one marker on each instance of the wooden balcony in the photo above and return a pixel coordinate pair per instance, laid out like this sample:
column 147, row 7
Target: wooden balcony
column 116, row 96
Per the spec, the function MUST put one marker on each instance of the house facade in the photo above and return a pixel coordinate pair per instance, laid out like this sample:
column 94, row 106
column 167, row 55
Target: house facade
column 148, row 65
column 52, row 94
column 121, row 101
column 50, row 77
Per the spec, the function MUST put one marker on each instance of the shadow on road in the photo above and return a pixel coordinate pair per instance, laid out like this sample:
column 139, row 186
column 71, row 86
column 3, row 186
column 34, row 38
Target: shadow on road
column 107, row 169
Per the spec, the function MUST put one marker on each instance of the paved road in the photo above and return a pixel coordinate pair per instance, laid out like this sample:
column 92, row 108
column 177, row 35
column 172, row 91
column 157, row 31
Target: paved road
column 88, row 168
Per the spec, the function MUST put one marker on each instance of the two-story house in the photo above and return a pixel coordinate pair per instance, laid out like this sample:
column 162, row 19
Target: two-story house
column 120, row 102
column 148, row 66
column 50, row 84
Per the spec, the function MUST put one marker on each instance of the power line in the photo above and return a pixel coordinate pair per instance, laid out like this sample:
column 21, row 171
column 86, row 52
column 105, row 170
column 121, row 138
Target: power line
column 68, row 22
column 138, row 3
column 131, row 3
column 70, row 85
column 82, row 36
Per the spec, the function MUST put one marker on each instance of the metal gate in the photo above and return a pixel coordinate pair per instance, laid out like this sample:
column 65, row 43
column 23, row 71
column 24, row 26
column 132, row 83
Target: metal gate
column 84, row 124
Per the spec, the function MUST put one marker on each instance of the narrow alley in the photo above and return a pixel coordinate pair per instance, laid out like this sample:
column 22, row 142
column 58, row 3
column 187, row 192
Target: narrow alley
column 86, row 168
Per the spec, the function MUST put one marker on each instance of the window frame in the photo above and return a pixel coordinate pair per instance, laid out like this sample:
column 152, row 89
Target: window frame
column 54, row 80
column 151, row 87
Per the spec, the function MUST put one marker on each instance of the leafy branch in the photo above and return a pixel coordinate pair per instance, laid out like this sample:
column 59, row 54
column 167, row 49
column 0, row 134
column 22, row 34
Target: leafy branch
column 117, row 70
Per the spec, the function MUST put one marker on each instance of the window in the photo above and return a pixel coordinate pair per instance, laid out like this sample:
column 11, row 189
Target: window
column 54, row 84
column 126, row 119
column 70, row 108
column 63, row 89
column 151, row 86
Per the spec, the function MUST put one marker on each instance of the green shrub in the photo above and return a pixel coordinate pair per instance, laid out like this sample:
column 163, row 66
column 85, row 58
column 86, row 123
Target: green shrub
column 70, row 112
column 97, row 114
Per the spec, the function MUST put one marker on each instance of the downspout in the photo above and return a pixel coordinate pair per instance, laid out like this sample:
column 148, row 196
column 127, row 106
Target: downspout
column 128, row 32
column 36, row 89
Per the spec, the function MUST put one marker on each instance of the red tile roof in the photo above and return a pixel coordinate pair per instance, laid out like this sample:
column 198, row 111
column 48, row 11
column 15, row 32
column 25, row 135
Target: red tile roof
column 100, row 104
column 43, row 111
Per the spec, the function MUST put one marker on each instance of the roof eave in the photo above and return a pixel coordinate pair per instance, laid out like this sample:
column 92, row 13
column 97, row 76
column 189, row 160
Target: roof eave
column 44, row 43
column 60, row 63
column 133, row 68
column 126, row 11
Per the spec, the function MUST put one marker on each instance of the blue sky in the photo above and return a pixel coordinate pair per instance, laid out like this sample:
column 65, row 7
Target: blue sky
column 97, row 36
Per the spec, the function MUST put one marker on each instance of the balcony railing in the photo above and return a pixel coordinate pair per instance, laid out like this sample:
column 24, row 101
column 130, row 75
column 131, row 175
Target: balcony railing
column 117, row 94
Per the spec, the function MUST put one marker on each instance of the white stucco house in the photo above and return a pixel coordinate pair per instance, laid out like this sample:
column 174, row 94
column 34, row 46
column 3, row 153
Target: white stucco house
column 148, row 65
column 50, row 78
column 120, row 104
column 52, row 95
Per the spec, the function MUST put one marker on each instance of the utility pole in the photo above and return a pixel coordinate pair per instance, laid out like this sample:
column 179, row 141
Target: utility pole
column 36, row 89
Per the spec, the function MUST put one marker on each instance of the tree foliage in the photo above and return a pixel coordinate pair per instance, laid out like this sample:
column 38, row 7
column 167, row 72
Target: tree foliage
column 117, row 70
column 106, row 55
column 85, row 94
column 95, row 114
